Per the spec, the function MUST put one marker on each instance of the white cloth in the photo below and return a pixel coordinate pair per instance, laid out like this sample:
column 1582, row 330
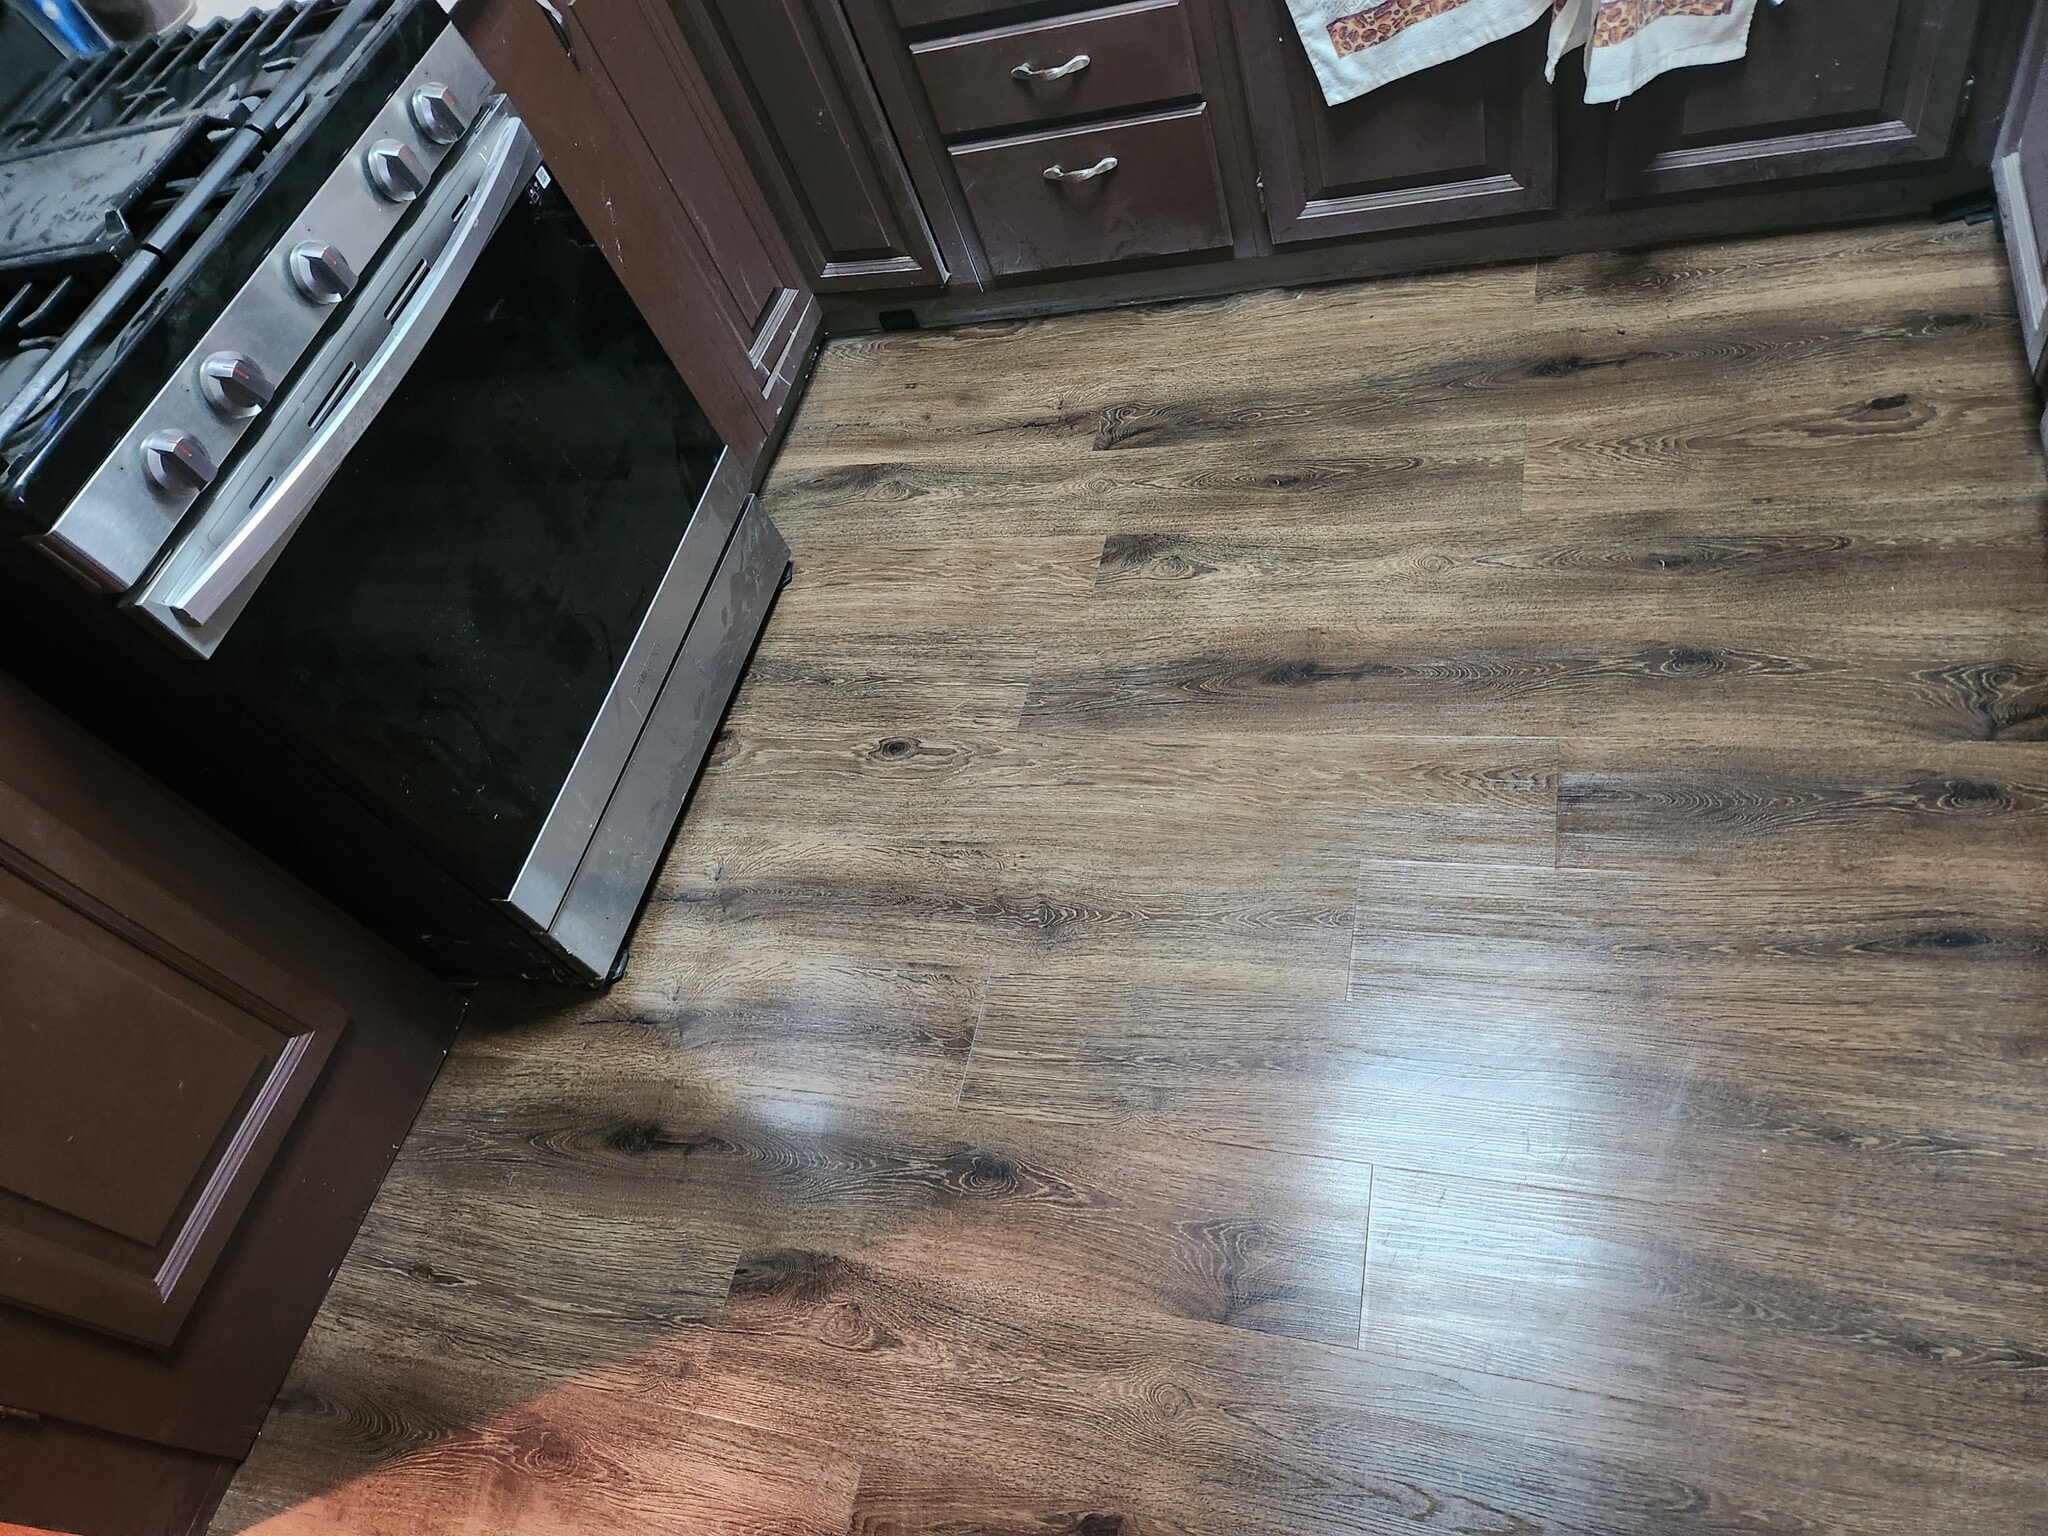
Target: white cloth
column 1629, row 43
column 1357, row 46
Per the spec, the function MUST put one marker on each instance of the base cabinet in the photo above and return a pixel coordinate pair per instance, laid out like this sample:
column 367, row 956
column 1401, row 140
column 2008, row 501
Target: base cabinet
column 967, row 158
column 1842, row 109
column 826, row 155
column 1081, row 197
column 624, row 110
column 204, row 1075
column 1829, row 87
column 1471, row 139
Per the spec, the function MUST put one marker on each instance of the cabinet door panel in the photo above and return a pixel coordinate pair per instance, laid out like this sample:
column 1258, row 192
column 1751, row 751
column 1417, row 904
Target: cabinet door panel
column 628, row 125
column 605, row 170
column 706, row 174
column 849, row 203
column 1471, row 139
column 166, row 998
column 154, row 1064
column 1828, row 86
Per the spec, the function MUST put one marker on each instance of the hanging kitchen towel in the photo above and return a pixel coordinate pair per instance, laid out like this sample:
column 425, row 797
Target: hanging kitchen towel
column 1628, row 43
column 1359, row 47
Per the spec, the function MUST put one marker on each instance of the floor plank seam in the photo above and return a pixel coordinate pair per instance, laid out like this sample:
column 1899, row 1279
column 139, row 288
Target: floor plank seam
column 973, row 1042
column 1365, row 1253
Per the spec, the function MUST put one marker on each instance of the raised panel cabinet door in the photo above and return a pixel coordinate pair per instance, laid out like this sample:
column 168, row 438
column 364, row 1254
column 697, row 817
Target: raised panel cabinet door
column 2020, row 174
column 1470, row 139
column 628, row 125
column 755, row 278
column 606, row 170
column 150, row 1065
column 847, row 197
column 204, row 1074
column 1828, row 86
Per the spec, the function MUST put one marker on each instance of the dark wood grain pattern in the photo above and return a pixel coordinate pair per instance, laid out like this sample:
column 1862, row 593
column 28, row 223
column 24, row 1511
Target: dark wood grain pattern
column 1415, row 907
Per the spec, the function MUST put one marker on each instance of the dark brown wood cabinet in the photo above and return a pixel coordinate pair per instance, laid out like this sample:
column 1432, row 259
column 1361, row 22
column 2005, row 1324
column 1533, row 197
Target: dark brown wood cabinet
column 154, row 1065
column 1066, row 138
column 1125, row 58
column 207, row 1073
column 1471, row 139
column 965, row 158
column 1829, row 87
column 1843, row 109
column 823, row 146
column 624, row 111
column 1080, row 197
column 754, row 284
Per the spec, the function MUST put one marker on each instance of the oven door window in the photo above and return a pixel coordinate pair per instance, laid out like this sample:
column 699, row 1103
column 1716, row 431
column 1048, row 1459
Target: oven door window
column 445, row 625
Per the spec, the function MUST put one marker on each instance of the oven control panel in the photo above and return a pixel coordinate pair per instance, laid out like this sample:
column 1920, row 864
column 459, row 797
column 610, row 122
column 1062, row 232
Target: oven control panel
column 119, row 522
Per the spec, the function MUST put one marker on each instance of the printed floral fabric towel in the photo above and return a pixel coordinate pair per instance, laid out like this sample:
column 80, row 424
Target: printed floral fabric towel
column 1359, row 47
column 1628, row 43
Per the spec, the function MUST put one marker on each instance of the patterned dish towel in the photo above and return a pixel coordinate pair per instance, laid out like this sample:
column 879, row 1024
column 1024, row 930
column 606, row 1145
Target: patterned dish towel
column 1629, row 43
column 1359, row 45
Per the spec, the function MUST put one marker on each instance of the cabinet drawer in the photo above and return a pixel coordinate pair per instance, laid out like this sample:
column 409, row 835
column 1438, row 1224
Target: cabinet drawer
column 1119, row 59
column 1163, row 196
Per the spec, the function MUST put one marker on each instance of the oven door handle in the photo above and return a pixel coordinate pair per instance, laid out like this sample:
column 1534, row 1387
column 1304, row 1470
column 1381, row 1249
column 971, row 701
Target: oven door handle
column 245, row 556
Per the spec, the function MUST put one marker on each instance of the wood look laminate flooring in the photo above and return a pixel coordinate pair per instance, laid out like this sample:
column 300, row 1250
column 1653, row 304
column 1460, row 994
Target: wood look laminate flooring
column 1418, row 907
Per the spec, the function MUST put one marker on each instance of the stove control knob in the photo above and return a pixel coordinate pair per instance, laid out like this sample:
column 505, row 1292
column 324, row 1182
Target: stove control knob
column 234, row 385
column 436, row 113
column 177, row 463
column 395, row 171
column 321, row 273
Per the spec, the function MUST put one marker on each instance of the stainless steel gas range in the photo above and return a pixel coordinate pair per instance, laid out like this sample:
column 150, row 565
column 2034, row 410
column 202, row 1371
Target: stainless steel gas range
column 348, row 491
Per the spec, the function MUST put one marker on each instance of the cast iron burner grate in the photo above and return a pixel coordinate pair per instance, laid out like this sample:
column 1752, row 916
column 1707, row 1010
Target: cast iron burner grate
column 223, row 70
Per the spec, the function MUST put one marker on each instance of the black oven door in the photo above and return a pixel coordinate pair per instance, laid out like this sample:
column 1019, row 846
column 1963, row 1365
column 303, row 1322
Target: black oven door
column 490, row 565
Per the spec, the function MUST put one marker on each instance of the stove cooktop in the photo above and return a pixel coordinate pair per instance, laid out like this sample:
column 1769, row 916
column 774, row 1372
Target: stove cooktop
column 101, row 150
column 138, row 187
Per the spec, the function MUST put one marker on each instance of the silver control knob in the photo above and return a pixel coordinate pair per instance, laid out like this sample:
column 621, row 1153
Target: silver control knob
column 395, row 171
column 177, row 463
column 436, row 113
column 321, row 273
column 234, row 385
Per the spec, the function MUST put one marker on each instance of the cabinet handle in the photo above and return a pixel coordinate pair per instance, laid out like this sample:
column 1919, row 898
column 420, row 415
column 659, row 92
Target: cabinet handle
column 560, row 24
column 1073, row 66
column 1101, row 167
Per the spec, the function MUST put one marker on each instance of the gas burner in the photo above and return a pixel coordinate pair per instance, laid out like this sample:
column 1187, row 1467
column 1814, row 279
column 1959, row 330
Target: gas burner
column 223, row 70
column 137, row 188
column 106, row 146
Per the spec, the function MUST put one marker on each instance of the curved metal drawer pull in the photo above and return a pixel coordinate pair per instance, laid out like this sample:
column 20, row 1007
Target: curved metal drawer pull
column 1101, row 167
column 561, row 25
column 1073, row 66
